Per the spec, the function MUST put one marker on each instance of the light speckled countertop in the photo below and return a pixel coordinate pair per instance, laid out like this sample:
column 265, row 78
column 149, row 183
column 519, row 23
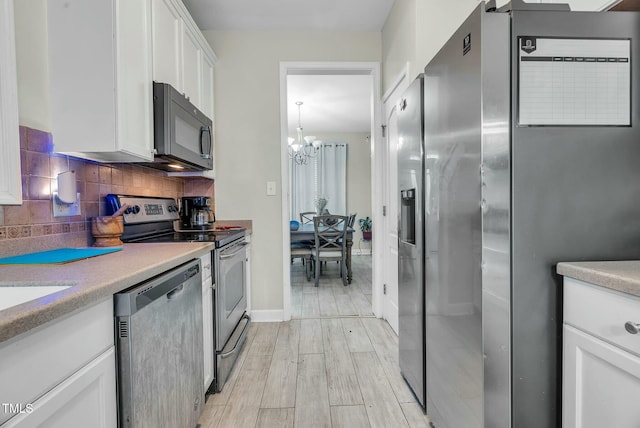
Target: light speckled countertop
column 96, row 279
column 247, row 224
column 621, row 276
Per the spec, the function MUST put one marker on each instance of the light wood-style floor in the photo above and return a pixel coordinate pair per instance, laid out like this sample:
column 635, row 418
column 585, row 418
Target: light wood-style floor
column 331, row 298
column 318, row 372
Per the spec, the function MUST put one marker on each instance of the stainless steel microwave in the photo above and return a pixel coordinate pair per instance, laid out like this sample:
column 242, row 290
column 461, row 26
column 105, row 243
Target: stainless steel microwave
column 183, row 135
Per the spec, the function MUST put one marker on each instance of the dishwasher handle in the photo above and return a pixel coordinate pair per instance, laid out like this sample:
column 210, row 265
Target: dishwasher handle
column 175, row 292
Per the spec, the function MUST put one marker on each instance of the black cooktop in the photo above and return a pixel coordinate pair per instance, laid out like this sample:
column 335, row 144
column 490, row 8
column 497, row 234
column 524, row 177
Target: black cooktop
column 219, row 237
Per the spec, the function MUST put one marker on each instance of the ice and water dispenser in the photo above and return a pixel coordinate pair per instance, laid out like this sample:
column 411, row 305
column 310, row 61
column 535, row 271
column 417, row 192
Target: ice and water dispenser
column 408, row 216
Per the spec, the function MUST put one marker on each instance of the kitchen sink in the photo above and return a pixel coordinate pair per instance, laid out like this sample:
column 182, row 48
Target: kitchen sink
column 14, row 293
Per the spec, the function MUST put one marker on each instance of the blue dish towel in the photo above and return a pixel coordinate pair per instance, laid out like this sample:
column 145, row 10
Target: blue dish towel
column 61, row 255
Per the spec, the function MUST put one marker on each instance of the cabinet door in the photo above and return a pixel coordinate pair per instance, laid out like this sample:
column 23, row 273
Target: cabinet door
column 207, row 318
column 167, row 43
column 191, row 66
column 100, row 78
column 248, row 273
column 134, row 88
column 601, row 383
column 10, row 182
column 86, row 399
column 206, row 87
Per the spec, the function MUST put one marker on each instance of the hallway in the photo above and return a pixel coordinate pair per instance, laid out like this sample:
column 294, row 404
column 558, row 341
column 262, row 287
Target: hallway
column 333, row 372
column 333, row 365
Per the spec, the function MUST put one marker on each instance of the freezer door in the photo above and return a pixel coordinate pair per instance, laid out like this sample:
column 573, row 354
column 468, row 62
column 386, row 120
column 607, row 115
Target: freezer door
column 410, row 246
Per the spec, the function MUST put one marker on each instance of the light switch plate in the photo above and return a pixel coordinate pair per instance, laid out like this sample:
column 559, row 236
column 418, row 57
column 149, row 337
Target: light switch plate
column 271, row 188
column 61, row 209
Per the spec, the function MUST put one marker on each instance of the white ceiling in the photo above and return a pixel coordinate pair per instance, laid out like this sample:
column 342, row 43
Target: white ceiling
column 350, row 15
column 331, row 103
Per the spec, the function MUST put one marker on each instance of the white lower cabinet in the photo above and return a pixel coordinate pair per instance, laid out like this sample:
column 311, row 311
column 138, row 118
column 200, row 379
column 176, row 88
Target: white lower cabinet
column 601, row 383
column 248, row 272
column 207, row 319
column 601, row 362
column 86, row 399
column 61, row 374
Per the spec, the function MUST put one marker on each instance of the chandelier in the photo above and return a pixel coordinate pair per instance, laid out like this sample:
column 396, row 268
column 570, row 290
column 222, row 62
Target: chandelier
column 302, row 148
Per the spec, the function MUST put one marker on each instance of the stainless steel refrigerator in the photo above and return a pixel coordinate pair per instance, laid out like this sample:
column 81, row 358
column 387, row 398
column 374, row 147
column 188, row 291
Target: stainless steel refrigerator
column 531, row 157
column 410, row 239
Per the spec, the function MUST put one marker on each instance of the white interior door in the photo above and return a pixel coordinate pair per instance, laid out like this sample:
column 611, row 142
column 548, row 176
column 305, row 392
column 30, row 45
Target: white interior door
column 391, row 200
column 390, row 301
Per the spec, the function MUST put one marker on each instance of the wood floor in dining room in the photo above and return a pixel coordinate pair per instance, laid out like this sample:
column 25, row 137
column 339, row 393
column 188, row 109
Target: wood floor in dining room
column 331, row 298
column 318, row 370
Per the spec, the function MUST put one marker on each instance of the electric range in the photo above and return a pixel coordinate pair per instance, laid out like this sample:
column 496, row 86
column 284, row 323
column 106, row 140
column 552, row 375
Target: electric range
column 151, row 219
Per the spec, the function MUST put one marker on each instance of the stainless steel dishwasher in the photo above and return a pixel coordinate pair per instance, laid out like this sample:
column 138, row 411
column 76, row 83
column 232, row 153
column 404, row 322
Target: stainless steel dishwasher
column 159, row 346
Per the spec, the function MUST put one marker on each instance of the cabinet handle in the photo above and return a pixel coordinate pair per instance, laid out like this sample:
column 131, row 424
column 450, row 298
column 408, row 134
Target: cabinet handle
column 632, row 327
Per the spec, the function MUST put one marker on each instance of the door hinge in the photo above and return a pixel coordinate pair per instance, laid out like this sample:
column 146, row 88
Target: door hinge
column 384, row 288
column 384, row 210
column 384, row 131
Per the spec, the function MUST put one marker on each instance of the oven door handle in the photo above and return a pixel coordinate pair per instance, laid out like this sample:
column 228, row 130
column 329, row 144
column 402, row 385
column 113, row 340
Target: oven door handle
column 228, row 256
column 240, row 341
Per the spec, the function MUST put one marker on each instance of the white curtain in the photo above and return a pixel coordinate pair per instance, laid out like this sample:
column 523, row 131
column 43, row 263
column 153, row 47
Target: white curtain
column 332, row 176
column 325, row 176
column 302, row 185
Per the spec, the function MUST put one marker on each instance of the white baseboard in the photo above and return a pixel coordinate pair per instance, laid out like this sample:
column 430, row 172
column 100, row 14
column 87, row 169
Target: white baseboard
column 267, row 315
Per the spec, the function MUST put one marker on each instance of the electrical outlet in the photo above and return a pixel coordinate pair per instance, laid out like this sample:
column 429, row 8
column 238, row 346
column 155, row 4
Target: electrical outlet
column 271, row 188
column 61, row 209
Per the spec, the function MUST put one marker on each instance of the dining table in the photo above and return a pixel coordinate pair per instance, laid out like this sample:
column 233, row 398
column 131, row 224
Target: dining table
column 306, row 232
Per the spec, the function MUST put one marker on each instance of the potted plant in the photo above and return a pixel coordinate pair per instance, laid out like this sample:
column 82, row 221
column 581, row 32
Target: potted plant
column 365, row 227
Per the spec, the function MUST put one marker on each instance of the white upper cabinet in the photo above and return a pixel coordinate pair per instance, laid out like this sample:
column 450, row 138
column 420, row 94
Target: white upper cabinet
column 182, row 56
column 191, row 54
column 100, row 74
column 10, row 180
column 167, row 43
column 206, row 90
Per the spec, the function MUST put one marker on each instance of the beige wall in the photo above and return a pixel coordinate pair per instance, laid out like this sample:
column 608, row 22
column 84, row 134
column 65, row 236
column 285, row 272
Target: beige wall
column 399, row 42
column 437, row 21
column 248, row 137
column 415, row 31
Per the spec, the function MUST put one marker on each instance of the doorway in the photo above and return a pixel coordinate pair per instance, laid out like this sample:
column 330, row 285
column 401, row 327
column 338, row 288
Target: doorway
column 370, row 140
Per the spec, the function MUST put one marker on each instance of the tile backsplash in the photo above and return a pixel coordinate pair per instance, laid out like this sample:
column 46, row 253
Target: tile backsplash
column 31, row 226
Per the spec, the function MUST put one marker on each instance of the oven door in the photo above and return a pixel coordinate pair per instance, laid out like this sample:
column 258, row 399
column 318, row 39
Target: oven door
column 231, row 298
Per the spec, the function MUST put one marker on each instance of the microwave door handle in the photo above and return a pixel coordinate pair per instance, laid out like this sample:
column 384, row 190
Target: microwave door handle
column 205, row 141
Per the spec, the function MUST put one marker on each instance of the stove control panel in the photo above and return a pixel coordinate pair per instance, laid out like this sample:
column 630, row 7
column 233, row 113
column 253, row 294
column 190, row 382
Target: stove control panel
column 142, row 209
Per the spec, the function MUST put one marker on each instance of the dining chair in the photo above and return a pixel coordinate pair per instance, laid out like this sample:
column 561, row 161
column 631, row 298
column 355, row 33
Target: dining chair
column 307, row 217
column 330, row 233
column 352, row 220
column 305, row 252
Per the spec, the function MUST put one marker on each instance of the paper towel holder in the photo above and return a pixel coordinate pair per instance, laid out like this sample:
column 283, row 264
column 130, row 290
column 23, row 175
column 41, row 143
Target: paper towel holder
column 65, row 200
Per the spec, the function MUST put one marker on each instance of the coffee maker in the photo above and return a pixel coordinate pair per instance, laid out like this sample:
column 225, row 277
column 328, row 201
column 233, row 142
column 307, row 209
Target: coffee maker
column 196, row 213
